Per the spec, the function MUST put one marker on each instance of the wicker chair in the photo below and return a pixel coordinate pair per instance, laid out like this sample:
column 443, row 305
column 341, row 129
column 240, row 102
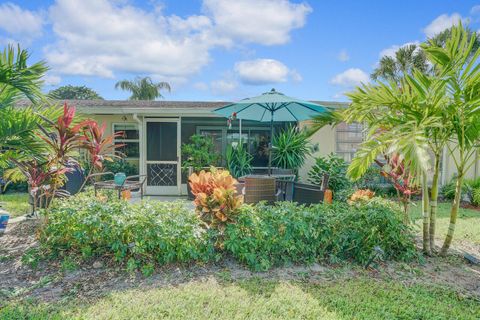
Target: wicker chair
column 259, row 188
column 304, row 193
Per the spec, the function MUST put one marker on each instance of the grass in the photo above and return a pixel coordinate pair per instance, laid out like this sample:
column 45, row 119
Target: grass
column 359, row 298
column 467, row 224
column 16, row 204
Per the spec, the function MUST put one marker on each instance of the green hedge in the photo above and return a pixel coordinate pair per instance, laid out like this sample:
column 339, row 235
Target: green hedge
column 153, row 233
column 139, row 234
column 266, row 236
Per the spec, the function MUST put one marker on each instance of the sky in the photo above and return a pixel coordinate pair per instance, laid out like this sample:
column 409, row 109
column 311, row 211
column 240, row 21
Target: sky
column 223, row 50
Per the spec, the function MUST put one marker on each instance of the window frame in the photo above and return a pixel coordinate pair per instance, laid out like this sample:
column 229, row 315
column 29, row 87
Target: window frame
column 245, row 129
column 347, row 141
column 121, row 140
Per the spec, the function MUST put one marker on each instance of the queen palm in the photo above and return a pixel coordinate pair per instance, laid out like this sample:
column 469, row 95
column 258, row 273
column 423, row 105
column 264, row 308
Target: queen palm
column 406, row 59
column 143, row 88
column 457, row 65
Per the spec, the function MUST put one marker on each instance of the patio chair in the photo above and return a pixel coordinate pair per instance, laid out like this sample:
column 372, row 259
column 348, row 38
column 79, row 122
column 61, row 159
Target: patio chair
column 259, row 188
column 304, row 193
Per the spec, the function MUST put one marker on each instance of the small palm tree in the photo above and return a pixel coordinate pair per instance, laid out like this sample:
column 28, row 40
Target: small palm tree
column 407, row 58
column 143, row 88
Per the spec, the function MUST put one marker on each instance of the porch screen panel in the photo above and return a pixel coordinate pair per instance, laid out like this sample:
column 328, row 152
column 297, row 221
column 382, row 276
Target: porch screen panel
column 162, row 158
column 161, row 141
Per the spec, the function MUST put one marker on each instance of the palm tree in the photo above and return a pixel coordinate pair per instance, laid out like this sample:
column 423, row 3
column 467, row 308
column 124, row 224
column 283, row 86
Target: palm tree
column 407, row 58
column 143, row 88
column 457, row 64
column 17, row 81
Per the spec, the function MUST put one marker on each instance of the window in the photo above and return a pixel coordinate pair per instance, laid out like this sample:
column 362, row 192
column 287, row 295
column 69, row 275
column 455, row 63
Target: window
column 254, row 139
column 129, row 139
column 348, row 137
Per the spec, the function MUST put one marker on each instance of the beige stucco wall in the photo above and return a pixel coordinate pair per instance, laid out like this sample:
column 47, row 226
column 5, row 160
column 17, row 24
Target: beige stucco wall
column 450, row 169
column 325, row 139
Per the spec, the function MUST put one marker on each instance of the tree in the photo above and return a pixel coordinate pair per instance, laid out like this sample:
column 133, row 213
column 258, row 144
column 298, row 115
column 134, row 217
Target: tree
column 458, row 67
column 407, row 58
column 143, row 88
column 19, row 80
column 70, row 92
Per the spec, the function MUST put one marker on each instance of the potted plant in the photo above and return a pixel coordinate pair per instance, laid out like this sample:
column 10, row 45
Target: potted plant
column 239, row 161
column 198, row 155
column 4, row 217
column 290, row 148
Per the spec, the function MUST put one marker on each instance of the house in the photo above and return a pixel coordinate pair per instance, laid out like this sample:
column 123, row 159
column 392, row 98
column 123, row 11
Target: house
column 155, row 130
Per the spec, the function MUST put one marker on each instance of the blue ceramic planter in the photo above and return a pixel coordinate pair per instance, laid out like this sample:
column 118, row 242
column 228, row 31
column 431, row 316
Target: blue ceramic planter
column 119, row 178
column 3, row 222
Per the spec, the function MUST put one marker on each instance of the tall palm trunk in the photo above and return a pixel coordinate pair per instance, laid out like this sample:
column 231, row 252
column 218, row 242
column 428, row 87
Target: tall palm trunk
column 454, row 212
column 433, row 202
column 425, row 207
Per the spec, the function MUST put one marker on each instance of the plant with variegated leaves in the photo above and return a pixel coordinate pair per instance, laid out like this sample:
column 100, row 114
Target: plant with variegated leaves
column 216, row 200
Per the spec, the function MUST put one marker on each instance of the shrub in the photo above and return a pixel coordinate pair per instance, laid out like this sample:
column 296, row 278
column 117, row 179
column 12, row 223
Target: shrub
column 134, row 234
column 215, row 197
column 239, row 161
column 335, row 167
column 265, row 236
column 291, row 148
column 199, row 153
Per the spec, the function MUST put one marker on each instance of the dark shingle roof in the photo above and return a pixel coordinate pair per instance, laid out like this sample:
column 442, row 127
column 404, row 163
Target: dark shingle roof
column 93, row 106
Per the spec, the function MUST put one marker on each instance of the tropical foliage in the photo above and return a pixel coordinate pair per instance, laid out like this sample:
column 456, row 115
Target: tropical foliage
column 239, row 161
column 290, row 148
column 420, row 114
column 70, row 92
column 138, row 236
column 216, row 200
column 266, row 236
column 335, row 167
column 199, row 153
column 143, row 88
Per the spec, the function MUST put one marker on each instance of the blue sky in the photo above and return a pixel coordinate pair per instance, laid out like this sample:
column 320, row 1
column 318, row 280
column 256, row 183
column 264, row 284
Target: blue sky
column 223, row 49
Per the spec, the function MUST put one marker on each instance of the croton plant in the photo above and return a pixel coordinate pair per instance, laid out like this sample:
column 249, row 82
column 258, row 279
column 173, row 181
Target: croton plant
column 216, row 199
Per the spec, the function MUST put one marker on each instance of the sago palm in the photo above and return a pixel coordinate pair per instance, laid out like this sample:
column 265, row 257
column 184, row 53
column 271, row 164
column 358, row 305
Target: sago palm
column 143, row 88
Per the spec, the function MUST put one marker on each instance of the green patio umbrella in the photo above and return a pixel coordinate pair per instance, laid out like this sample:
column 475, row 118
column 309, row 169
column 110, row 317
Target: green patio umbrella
column 269, row 107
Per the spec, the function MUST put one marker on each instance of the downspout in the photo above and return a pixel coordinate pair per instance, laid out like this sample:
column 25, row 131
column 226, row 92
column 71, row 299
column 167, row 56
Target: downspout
column 141, row 141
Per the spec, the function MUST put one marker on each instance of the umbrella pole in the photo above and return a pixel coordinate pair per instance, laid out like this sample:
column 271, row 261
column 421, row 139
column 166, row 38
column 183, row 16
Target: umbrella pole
column 270, row 147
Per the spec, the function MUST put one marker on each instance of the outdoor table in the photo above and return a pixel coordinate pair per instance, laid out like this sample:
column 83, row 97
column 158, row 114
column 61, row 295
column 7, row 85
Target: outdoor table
column 130, row 183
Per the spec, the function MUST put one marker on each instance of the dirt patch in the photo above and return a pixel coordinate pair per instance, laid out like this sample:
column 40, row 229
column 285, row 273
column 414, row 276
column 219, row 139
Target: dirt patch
column 21, row 276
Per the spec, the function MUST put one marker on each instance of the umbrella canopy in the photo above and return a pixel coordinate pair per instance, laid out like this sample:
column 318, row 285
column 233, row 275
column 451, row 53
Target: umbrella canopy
column 269, row 107
column 272, row 106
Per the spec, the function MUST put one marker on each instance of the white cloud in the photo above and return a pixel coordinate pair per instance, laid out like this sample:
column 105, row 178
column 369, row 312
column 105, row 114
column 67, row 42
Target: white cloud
column 349, row 78
column 202, row 86
column 343, row 56
column 441, row 23
column 390, row 52
column 223, row 86
column 51, row 80
column 103, row 37
column 98, row 38
column 475, row 10
column 266, row 22
column 19, row 23
column 264, row 71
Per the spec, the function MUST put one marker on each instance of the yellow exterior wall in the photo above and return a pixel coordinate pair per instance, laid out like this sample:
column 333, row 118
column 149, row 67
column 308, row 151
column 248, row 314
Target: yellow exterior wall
column 325, row 139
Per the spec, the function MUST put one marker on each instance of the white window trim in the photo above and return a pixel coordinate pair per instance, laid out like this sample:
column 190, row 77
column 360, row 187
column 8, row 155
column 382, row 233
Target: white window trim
column 128, row 140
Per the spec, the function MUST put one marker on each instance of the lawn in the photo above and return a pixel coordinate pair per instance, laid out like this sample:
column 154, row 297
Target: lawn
column 16, row 204
column 467, row 227
column 359, row 298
